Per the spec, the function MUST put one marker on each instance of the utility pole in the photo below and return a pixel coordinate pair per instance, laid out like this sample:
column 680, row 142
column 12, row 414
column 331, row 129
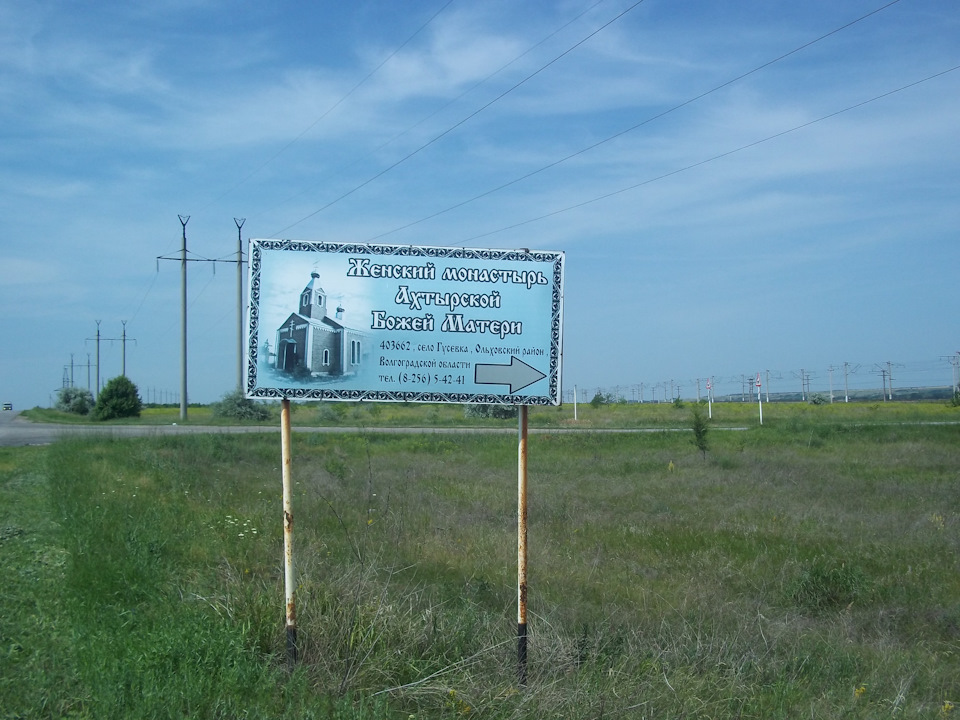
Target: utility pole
column 98, row 361
column 954, row 361
column 804, row 384
column 124, row 351
column 768, row 386
column 759, row 401
column 98, row 358
column 882, row 371
column 846, row 386
column 184, row 219
column 830, row 372
column 122, row 339
column 239, row 223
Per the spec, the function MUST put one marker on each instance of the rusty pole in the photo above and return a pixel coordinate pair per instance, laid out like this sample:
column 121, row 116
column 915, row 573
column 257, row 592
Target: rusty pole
column 289, row 581
column 522, row 550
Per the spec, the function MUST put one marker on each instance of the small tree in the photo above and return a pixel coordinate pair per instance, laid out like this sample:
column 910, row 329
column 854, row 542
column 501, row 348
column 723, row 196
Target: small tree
column 597, row 401
column 74, row 400
column 118, row 399
column 700, row 427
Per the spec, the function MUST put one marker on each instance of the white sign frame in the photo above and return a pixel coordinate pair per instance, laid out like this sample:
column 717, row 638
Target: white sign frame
column 426, row 324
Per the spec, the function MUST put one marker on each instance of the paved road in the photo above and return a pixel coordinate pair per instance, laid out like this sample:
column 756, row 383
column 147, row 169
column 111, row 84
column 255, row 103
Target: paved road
column 15, row 430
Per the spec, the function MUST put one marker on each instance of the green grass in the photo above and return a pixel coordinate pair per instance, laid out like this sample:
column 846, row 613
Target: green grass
column 805, row 568
column 608, row 416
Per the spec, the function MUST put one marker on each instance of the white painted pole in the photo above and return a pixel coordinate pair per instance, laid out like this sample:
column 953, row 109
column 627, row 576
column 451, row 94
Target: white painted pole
column 759, row 399
column 289, row 581
column 522, row 549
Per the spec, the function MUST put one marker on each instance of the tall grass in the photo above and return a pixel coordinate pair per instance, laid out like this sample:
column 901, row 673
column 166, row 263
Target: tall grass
column 805, row 568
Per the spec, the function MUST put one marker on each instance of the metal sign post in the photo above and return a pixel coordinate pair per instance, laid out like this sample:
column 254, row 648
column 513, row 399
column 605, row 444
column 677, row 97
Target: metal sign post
column 289, row 580
column 522, row 550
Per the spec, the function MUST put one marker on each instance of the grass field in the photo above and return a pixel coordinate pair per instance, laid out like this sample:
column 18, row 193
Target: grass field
column 617, row 415
column 806, row 568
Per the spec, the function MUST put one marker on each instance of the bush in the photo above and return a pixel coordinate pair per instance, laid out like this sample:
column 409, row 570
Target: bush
column 74, row 400
column 118, row 399
column 499, row 412
column 334, row 412
column 236, row 406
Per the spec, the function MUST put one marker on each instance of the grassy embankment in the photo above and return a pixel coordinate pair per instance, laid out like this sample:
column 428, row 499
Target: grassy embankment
column 808, row 568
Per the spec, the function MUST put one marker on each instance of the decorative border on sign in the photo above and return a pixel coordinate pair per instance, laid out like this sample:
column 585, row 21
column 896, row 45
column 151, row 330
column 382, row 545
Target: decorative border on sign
column 556, row 326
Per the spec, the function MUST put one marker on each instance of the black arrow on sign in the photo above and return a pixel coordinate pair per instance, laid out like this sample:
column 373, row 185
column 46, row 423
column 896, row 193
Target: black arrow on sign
column 517, row 375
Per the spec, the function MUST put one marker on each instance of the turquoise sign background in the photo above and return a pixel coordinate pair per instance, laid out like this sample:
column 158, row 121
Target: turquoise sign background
column 337, row 321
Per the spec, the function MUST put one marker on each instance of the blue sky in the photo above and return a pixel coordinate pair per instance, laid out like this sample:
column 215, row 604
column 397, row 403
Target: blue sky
column 726, row 205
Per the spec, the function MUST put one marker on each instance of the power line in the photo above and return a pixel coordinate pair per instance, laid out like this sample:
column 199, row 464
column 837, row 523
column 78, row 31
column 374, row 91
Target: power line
column 714, row 158
column 637, row 126
column 461, row 122
column 453, row 101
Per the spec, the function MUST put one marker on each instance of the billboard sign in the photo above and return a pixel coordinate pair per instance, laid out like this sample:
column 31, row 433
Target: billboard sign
column 341, row 321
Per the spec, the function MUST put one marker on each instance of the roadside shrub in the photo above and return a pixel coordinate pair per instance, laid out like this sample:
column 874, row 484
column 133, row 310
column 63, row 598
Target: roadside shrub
column 74, row 400
column 235, row 406
column 118, row 399
column 334, row 412
column 498, row 412
column 817, row 399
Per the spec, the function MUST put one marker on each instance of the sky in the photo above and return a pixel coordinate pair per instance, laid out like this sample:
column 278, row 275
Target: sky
column 738, row 187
